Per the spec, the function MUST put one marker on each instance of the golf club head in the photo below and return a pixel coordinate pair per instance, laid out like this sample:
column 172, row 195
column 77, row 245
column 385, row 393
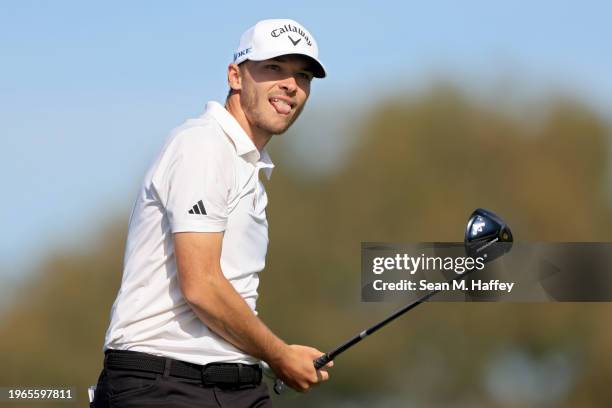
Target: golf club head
column 487, row 235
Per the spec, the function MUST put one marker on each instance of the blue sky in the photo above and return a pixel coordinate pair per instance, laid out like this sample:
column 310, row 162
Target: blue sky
column 88, row 90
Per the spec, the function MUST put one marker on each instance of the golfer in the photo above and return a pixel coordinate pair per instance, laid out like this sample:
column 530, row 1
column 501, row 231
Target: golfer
column 184, row 330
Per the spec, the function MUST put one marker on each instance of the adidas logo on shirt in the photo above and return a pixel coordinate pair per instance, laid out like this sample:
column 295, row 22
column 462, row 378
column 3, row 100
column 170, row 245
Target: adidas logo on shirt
column 198, row 208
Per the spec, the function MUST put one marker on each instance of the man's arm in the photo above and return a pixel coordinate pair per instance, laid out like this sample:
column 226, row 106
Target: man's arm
column 223, row 310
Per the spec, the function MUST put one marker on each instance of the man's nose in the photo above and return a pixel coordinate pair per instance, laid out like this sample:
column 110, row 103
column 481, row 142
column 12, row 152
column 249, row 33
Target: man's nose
column 289, row 84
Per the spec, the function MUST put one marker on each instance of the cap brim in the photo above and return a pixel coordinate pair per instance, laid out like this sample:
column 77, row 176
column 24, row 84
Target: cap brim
column 318, row 70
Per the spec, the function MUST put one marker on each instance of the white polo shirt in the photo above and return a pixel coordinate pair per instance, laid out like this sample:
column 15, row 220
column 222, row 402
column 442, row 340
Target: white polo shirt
column 206, row 179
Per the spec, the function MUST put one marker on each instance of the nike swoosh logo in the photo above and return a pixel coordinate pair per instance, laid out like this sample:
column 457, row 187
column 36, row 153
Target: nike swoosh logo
column 294, row 42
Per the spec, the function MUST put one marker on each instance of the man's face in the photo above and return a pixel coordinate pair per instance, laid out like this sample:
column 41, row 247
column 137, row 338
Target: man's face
column 274, row 91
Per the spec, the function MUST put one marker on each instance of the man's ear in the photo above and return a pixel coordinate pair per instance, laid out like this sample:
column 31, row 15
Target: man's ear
column 234, row 79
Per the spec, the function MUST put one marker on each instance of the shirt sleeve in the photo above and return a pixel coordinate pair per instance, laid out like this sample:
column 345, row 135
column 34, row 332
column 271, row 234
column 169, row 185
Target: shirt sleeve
column 193, row 181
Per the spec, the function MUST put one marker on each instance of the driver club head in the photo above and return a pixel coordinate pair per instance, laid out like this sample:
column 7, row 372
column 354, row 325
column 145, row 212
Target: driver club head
column 487, row 235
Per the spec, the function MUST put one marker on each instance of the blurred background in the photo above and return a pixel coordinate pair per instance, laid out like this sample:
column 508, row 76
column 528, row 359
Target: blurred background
column 430, row 110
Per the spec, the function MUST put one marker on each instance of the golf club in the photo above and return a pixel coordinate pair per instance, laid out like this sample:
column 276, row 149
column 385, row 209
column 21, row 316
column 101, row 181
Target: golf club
column 484, row 228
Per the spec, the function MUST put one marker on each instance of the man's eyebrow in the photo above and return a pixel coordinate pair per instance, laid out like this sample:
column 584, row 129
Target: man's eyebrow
column 308, row 67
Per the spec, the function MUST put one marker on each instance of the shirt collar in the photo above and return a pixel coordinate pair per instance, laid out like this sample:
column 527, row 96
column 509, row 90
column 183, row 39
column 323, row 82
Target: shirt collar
column 242, row 142
column 265, row 162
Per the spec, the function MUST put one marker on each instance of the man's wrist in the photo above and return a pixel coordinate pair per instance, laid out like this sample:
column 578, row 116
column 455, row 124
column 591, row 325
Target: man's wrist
column 276, row 352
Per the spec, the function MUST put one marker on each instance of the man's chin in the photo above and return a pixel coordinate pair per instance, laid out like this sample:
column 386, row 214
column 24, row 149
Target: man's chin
column 278, row 128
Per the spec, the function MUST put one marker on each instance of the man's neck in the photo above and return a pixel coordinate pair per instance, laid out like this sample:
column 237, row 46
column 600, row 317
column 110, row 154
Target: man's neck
column 259, row 137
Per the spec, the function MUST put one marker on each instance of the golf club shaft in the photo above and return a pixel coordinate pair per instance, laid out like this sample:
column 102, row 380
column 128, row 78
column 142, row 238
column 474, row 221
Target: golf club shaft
column 327, row 357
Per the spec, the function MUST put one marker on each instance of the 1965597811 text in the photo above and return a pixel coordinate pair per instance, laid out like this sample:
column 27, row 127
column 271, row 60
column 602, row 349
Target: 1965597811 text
column 36, row 393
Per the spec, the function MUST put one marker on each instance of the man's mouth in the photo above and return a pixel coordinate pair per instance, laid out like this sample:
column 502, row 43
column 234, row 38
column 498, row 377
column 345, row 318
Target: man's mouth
column 281, row 105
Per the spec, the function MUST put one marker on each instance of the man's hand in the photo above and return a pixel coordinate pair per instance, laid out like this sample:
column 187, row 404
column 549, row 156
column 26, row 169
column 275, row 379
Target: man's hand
column 294, row 366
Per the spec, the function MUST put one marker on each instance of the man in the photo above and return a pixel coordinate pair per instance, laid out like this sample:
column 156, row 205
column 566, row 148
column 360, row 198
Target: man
column 184, row 330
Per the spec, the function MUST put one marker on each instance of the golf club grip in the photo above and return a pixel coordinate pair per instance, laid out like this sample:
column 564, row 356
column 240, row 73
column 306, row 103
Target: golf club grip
column 280, row 386
column 321, row 361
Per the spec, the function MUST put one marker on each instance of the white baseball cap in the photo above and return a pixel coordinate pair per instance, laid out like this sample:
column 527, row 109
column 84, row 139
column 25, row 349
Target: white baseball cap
column 272, row 38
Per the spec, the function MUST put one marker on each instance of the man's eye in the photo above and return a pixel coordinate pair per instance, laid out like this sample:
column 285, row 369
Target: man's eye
column 305, row 75
column 273, row 67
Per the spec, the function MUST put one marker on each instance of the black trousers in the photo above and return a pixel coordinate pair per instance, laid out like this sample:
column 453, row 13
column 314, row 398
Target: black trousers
column 128, row 389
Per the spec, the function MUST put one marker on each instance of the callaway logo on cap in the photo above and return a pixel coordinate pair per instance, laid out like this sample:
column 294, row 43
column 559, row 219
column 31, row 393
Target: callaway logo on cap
column 272, row 38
